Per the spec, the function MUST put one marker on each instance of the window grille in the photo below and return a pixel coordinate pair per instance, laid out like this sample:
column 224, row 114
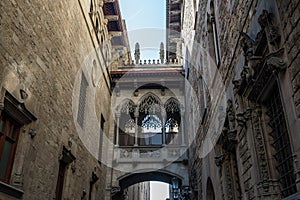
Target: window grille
column 82, row 100
column 281, row 144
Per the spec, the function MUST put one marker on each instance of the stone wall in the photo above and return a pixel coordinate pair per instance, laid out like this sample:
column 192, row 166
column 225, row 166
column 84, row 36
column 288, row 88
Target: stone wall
column 253, row 173
column 290, row 15
column 44, row 47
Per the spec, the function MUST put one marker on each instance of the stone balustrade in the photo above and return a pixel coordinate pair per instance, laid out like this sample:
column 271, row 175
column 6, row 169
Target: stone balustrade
column 154, row 62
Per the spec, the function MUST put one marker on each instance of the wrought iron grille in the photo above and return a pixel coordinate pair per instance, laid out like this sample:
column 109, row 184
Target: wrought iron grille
column 82, row 100
column 281, row 144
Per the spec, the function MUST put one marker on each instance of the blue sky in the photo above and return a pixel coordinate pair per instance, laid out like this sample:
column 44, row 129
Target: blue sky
column 146, row 22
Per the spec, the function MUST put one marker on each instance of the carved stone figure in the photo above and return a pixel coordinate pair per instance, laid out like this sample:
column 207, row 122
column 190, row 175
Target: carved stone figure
column 267, row 21
column 275, row 61
column 247, row 44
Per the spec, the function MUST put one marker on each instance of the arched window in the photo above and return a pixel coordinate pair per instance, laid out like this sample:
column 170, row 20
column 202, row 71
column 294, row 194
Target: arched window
column 150, row 121
column 210, row 193
column 281, row 143
column 213, row 35
column 91, row 6
column 126, row 123
column 151, row 133
column 172, row 125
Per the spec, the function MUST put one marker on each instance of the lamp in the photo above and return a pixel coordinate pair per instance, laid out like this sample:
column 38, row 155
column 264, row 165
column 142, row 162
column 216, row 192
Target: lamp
column 175, row 183
column 175, row 187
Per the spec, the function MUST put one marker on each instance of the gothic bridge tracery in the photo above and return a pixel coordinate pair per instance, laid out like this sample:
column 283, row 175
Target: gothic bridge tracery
column 150, row 141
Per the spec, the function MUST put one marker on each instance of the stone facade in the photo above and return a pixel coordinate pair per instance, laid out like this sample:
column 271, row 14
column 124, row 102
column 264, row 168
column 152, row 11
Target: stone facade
column 140, row 191
column 66, row 71
column 251, row 46
column 146, row 97
column 44, row 51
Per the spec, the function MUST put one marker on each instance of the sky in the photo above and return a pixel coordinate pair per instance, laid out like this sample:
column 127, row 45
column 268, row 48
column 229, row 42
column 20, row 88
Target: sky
column 159, row 190
column 146, row 23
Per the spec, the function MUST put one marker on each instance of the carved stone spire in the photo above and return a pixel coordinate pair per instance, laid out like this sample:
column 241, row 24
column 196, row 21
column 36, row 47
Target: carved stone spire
column 162, row 52
column 137, row 53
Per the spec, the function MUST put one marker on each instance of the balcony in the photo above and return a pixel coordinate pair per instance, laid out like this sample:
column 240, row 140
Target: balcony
column 149, row 154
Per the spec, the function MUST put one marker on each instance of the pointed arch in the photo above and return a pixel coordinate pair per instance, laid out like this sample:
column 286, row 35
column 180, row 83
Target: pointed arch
column 126, row 125
column 150, row 103
column 150, row 120
column 172, row 105
column 126, row 106
column 213, row 41
column 173, row 120
column 210, row 193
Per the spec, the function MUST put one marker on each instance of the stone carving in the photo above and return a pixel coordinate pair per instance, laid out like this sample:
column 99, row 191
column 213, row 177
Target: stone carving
column 194, row 183
column 232, row 136
column 125, row 153
column 226, row 154
column 1, row 106
column 174, row 152
column 267, row 22
column 247, row 73
column 162, row 52
column 260, row 148
column 229, row 182
column 172, row 105
column 137, row 53
column 24, row 94
column 275, row 61
column 258, row 68
column 114, row 190
column 150, row 104
column 247, row 44
column 230, row 114
column 219, row 160
column 236, row 85
column 240, row 118
column 94, row 178
column 150, row 154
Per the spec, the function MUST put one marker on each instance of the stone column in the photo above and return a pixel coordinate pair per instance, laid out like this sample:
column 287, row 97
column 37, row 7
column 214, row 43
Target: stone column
column 163, row 114
column 118, row 114
column 136, row 116
column 182, row 126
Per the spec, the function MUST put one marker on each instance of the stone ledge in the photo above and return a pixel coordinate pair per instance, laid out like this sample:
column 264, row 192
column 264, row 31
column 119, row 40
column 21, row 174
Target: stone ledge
column 293, row 197
column 10, row 190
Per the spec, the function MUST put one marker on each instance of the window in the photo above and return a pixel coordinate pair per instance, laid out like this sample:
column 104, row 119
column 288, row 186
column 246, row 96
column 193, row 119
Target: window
column 173, row 122
column 126, row 127
column 9, row 133
column 172, row 129
column 127, row 135
column 281, row 144
column 66, row 159
column 60, row 180
column 101, row 137
column 151, row 131
column 202, row 90
column 187, row 63
column 213, row 36
column 82, row 99
column 150, row 121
